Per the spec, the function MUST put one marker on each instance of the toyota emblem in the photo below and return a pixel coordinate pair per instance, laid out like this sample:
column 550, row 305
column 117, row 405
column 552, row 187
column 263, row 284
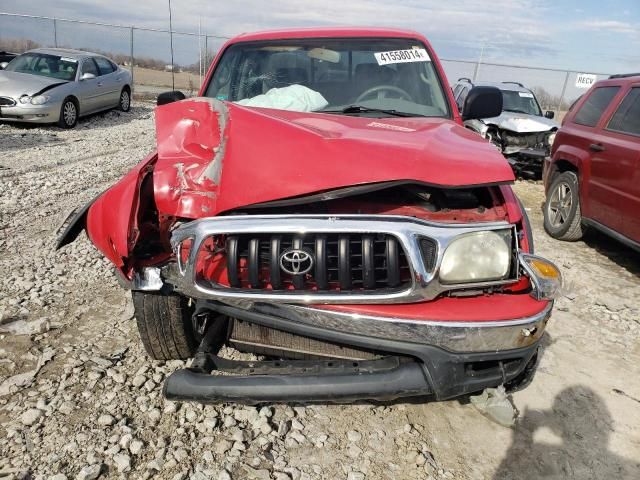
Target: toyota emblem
column 295, row 261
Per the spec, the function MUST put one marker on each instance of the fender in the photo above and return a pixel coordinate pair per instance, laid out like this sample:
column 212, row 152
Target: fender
column 580, row 160
column 110, row 219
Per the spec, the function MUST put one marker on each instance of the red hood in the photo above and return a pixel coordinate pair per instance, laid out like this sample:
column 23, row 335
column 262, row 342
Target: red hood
column 214, row 156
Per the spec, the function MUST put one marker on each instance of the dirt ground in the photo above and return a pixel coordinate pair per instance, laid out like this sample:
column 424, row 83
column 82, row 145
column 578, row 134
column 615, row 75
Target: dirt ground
column 95, row 408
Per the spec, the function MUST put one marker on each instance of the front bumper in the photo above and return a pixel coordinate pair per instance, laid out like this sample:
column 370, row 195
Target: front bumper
column 422, row 367
column 47, row 113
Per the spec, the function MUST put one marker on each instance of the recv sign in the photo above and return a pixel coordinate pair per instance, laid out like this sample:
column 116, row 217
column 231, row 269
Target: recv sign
column 585, row 80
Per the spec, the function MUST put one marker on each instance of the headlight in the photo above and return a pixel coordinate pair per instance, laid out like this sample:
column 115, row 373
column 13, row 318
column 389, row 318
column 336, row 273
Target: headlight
column 39, row 100
column 551, row 138
column 25, row 99
column 546, row 279
column 477, row 257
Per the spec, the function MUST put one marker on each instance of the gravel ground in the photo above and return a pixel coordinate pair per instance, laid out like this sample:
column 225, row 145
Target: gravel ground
column 79, row 398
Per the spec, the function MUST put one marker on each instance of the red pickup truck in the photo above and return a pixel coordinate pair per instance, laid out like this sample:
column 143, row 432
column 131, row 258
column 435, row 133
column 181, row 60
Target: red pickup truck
column 321, row 204
column 593, row 176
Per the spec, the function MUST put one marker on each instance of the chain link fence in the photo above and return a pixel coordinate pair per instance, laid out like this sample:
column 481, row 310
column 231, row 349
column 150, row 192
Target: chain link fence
column 147, row 53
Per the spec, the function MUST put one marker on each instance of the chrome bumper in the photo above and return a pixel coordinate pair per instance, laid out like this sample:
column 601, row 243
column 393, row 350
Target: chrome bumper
column 458, row 337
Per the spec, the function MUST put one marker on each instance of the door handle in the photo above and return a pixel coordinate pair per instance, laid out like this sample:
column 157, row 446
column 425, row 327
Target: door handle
column 99, row 84
column 597, row 147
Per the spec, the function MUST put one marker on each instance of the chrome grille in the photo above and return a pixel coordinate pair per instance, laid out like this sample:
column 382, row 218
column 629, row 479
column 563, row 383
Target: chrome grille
column 210, row 266
column 340, row 262
column 7, row 102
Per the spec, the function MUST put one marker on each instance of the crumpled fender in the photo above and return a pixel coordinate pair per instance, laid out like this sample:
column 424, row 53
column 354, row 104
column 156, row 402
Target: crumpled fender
column 111, row 221
column 191, row 142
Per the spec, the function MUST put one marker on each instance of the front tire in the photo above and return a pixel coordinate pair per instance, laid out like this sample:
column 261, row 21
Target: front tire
column 562, row 217
column 68, row 113
column 124, row 104
column 164, row 324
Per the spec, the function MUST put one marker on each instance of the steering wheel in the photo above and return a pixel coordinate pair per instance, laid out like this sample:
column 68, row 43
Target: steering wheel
column 383, row 88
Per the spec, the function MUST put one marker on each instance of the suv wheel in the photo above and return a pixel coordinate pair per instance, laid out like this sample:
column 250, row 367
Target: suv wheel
column 562, row 218
column 164, row 324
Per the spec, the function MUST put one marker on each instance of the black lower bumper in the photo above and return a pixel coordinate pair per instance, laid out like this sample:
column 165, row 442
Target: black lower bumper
column 417, row 370
column 322, row 384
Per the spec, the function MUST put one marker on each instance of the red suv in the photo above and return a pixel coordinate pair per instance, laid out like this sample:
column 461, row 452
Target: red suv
column 593, row 175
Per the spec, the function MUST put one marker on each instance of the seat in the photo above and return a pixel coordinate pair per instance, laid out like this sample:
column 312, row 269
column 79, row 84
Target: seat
column 291, row 76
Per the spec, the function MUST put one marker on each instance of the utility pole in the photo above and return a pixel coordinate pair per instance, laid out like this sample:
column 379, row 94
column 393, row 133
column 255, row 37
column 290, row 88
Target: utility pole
column 477, row 69
column 173, row 67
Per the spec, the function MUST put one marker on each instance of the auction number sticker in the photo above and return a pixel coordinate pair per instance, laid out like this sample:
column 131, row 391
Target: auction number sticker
column 402, row 56
column 525, row 94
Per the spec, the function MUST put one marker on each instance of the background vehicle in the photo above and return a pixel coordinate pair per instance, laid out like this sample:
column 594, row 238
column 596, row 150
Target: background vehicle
column 522, row 133
column 50, row 85
column 5, row 58
column 593, row 176
column 324, row 205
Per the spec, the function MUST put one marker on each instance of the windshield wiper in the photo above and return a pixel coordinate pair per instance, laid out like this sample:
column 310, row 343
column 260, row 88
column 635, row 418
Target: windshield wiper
column 517, row 111
column 361, row 109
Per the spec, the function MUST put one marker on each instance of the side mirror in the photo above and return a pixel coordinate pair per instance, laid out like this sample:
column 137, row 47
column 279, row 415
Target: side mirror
column 549, row 114
column 87, row 76
column 3, row 65
column 170, row 97
column 482, row 102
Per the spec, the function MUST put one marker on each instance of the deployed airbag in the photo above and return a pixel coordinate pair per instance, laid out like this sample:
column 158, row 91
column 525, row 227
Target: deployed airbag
column 294, row 97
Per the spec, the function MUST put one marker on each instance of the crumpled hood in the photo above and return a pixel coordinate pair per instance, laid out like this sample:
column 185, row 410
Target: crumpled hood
column 215, row 157
column 521, row 122
column 15, row 84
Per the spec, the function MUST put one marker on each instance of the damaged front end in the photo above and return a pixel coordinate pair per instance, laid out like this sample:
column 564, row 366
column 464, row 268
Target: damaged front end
column 524, row 140
column 525, row 152
column 362, row 284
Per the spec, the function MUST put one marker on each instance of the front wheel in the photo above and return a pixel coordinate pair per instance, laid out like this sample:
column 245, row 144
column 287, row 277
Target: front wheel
column 68, row 113
column 124, row 103
column 562, row 217
column 165, row 326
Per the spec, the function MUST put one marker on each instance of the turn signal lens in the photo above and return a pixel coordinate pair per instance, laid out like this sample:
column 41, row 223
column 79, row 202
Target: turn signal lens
column 545, row 269
column 545, row 277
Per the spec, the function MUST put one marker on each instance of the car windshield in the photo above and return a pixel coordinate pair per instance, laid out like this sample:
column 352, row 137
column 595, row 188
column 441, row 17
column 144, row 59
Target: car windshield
column 351, row 76
column 520, row 102
column 44, row 65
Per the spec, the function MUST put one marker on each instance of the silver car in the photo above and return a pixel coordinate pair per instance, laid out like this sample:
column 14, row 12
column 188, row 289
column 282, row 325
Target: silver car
column 57, row 85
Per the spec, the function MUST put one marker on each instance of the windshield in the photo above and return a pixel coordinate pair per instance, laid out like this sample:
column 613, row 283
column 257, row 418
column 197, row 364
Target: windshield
column 44, row 65
column 383, row 77
column 520, row 102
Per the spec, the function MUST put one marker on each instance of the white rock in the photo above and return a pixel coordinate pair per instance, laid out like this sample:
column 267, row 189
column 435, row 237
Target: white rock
column 138, row 381
column 90, row 472
column 125, row 441
column 106, row 420
column 136, row 446
column 123, row 462
column 354, row 436
column 224, row 475
column 31, row 416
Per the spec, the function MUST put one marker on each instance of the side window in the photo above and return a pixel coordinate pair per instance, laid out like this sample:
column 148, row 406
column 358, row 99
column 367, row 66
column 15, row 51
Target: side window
column 456, row 91
column 104, row 65
column 627, row 117
column 462, row 97
column 591, row 110
column 89, row 66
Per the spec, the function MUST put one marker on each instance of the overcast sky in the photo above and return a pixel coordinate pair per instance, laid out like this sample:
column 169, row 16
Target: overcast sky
column 589, row 35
